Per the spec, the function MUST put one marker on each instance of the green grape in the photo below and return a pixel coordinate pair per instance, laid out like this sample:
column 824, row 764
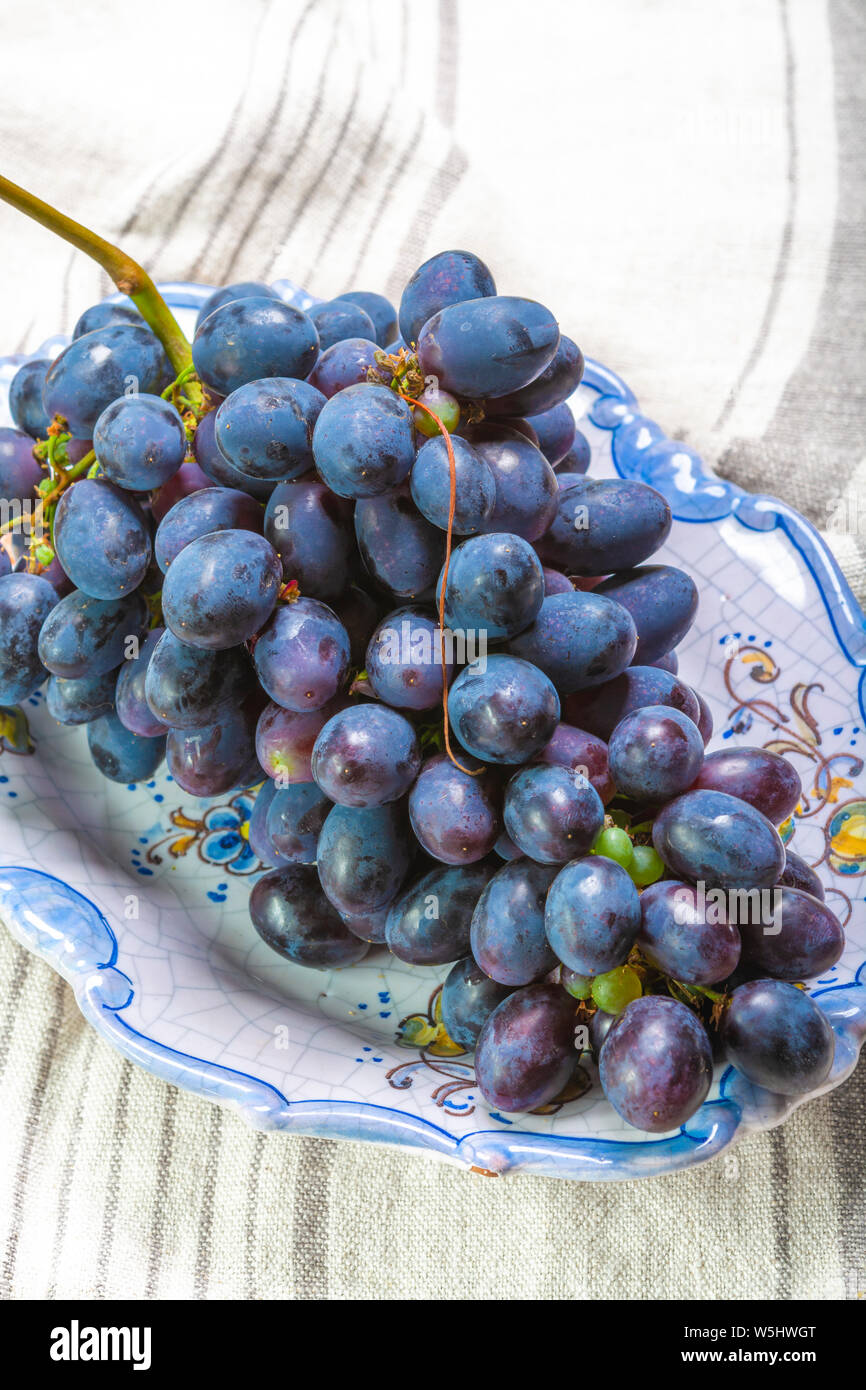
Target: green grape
column 578, row 986
column 614, row 844
column 444, row 405
column 646, row 866
column 617, row 988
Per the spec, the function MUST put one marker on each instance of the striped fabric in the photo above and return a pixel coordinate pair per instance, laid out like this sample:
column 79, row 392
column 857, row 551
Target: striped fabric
column 688, row 195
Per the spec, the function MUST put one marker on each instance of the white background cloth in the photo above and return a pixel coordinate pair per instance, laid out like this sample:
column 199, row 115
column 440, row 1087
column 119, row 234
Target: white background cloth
column 684, row 186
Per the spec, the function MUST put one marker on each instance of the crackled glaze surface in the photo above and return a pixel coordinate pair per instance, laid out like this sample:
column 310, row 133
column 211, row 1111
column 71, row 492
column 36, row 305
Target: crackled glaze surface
column 138, row 895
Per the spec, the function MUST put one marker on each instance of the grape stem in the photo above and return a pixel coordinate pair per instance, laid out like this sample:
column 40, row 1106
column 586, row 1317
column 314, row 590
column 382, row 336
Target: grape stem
column 127, row 274
column 452, row 507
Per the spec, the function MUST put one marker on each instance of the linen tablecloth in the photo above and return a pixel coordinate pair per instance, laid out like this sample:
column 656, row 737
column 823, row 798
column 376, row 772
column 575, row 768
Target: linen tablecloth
column 684, row 185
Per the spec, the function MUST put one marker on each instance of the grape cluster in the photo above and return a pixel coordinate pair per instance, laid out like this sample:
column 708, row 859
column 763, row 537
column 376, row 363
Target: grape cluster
column 356, row 553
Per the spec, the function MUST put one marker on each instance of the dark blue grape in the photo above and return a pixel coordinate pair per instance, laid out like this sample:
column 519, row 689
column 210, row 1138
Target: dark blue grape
column 284, row 740
column 503, row 710
column 778, row 1037
column 508, row 938
column 605, row 524
column 292, row 915
column 578, row 640
column 88, row 636
column 525, row 1053
column 686, row 937
column 345, row 364
column 364, row 441
column 265, row 428
column 468, row 999
column 218, row 469
column 212, row 758
column 599, row 709
column 555, row 430
column 294, row 821
column 488, row 347
column 454, row 815
column 188, row 479
column 302, row 655
column 668, row 662
column 201, row 513
column 526, row 488
column 337, row 319
column 380, row 310
column 756, row 775
column 259, row 840
column 310, row 528
column 404, row 660
column 507, row 849
column 798, row 874
column 363, row 856
column 122, row 756
column 556, row 583
column 140, row 442
column 26, row 601
column 662, row 600
column 495, row 586
column 25, row 397
column 221, row 589
column 599, row 1026
column 656, row 1064
column 20, row 471
column 399, row 548
column 581, row 752
column 101, row 538
column 133, row 710
column 799, row 939
column 592, row 915
column 359, row 615
column 552, row 814
column 187, row 686
column 655, row 753
column 428, row 924
column 106, row 314
column 243, row 289
column 366, row 755
column 716, row 838
column 475, row 492
column 705, row 718
column 79, row 701
column 446, row 278
column 369, row 926
column 560, row 378
column 578, row 458
column 98, row 368
column 248, row 339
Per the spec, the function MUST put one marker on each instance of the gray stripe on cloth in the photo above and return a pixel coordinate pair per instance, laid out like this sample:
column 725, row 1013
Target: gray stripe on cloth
column 393, row 180
column 115, row 1164
column 204, row 1248
column 60, row 991
column 342, row 209
column 250, row 1219
column 273, row 185
column 67, row 1172
column 23, row 962
column 310, row 1227
column 201, row 175
column 305, row 198
column 167, row 1134
column 268, row 125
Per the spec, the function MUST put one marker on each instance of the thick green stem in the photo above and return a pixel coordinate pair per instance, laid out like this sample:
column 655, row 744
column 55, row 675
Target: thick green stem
column 126, row 273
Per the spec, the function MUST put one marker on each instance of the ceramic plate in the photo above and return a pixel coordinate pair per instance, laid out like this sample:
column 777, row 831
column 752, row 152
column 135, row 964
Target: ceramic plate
column 138, row 895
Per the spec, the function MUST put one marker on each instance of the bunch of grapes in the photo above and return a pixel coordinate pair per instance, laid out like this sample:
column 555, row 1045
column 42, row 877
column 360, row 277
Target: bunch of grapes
column 353, row 557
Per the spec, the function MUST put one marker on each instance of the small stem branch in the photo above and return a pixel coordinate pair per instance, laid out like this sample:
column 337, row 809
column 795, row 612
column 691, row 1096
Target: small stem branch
column 127, row 274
